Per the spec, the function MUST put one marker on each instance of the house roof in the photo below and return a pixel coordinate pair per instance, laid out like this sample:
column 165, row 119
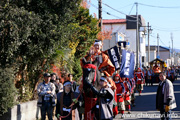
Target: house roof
column 155, row 60
column 114, row 21
column 154, row 47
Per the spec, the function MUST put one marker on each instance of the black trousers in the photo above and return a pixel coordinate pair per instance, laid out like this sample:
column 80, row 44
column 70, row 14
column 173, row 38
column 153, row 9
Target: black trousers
column 165, row 115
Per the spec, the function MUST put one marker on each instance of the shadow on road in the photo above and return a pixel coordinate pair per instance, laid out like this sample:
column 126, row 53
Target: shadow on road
column 146, row 104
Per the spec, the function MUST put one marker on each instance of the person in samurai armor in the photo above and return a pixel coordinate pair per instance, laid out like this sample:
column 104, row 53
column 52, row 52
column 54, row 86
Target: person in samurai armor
column 133, row 86
column 127, row 95
column 119, row 93
column 104, row 108
column 104, row 64
column 67, row 103
column 139, row 77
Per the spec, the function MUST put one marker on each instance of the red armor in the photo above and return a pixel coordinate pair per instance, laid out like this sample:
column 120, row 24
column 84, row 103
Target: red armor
column 139, row 77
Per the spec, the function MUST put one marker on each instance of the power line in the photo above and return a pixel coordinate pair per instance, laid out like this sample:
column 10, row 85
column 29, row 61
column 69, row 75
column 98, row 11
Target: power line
column 125, row 6
column 131, row 9
column 117, row 10
column 173, row 7
column 160, row 40
column 166, row 30
column 111, row 14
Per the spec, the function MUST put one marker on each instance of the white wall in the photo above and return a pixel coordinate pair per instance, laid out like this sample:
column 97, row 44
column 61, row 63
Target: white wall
column 152, row 56
column 164, row 55
column 24, row 111
column 130, row 35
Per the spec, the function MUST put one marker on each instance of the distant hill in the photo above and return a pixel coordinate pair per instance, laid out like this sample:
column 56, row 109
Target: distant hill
column 177, row 50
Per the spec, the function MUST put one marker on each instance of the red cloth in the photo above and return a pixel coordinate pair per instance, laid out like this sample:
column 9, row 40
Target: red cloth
column 119, row 91
column 139, row 77
column 89, row 103
column 127, row 92
column 115, row 109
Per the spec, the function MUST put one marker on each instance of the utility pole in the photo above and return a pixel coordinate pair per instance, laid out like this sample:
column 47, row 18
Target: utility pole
column 158, row 45
column 149, row 29
column 137, row 37
column 100, row 13
column 169, row 51
column 172, row 48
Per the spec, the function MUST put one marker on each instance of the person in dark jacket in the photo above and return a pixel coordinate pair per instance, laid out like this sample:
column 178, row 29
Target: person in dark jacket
column 74, row 84
column 53, row 80
column 67, row 103
column 103, row 109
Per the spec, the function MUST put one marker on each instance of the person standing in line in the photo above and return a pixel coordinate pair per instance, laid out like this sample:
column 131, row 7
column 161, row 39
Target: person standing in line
column 104, row 108
column 59, row 84
column 139, row 77
column 46, row 97
column 53, row 80
column 127, row 95
column 133, row 87
column 149, row 74
column 145, row 75
column 165, row 100
column 67, row 103
column 177, row 72
column 172, row 74
column 120, row 93
column 74, row 84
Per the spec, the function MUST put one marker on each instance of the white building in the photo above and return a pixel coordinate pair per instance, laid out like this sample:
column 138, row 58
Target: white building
column 126, row 29
column 164, row 53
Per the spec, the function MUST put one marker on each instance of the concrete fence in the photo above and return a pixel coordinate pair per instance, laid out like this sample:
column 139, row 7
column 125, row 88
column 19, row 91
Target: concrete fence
column 24, row 111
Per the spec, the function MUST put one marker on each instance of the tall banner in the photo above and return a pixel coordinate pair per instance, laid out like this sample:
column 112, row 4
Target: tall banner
column 125, row 64
column 140, row 61
column 132, row 65
column 124, row 43
column 114, row 56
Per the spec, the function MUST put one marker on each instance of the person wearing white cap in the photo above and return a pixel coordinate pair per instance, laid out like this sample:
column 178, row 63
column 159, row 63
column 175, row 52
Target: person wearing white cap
column 104, row 63
column 105, row 96
column 64, row 103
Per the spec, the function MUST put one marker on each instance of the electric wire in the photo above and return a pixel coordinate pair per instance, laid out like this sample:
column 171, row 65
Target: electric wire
column 111, row 14
column 173, row 7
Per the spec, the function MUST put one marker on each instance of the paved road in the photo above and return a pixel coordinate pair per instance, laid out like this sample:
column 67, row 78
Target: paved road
column 146, row 104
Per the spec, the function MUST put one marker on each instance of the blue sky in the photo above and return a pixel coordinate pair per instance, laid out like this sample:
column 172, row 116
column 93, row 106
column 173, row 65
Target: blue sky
column 162, row 20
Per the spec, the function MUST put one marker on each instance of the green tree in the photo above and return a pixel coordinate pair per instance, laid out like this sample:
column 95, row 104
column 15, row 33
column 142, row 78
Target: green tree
column 31, row 32
column 7, row 89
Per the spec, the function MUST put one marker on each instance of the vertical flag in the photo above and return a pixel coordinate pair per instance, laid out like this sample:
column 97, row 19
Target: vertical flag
column 125, row 63
column 132, row 64
column 114, row 56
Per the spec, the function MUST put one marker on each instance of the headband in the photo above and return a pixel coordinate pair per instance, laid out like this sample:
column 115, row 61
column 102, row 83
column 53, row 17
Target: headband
column 67, row 83
column 98, row 43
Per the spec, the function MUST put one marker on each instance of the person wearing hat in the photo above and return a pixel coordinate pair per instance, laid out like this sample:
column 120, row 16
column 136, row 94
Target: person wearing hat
column 46, row 97
column 120, row 93
column 103, row 109
column 67, row 103
column 139, row 77
column 104, row 64
column 127, row 95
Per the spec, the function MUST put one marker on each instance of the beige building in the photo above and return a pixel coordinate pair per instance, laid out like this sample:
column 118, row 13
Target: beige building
column 125, row 29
